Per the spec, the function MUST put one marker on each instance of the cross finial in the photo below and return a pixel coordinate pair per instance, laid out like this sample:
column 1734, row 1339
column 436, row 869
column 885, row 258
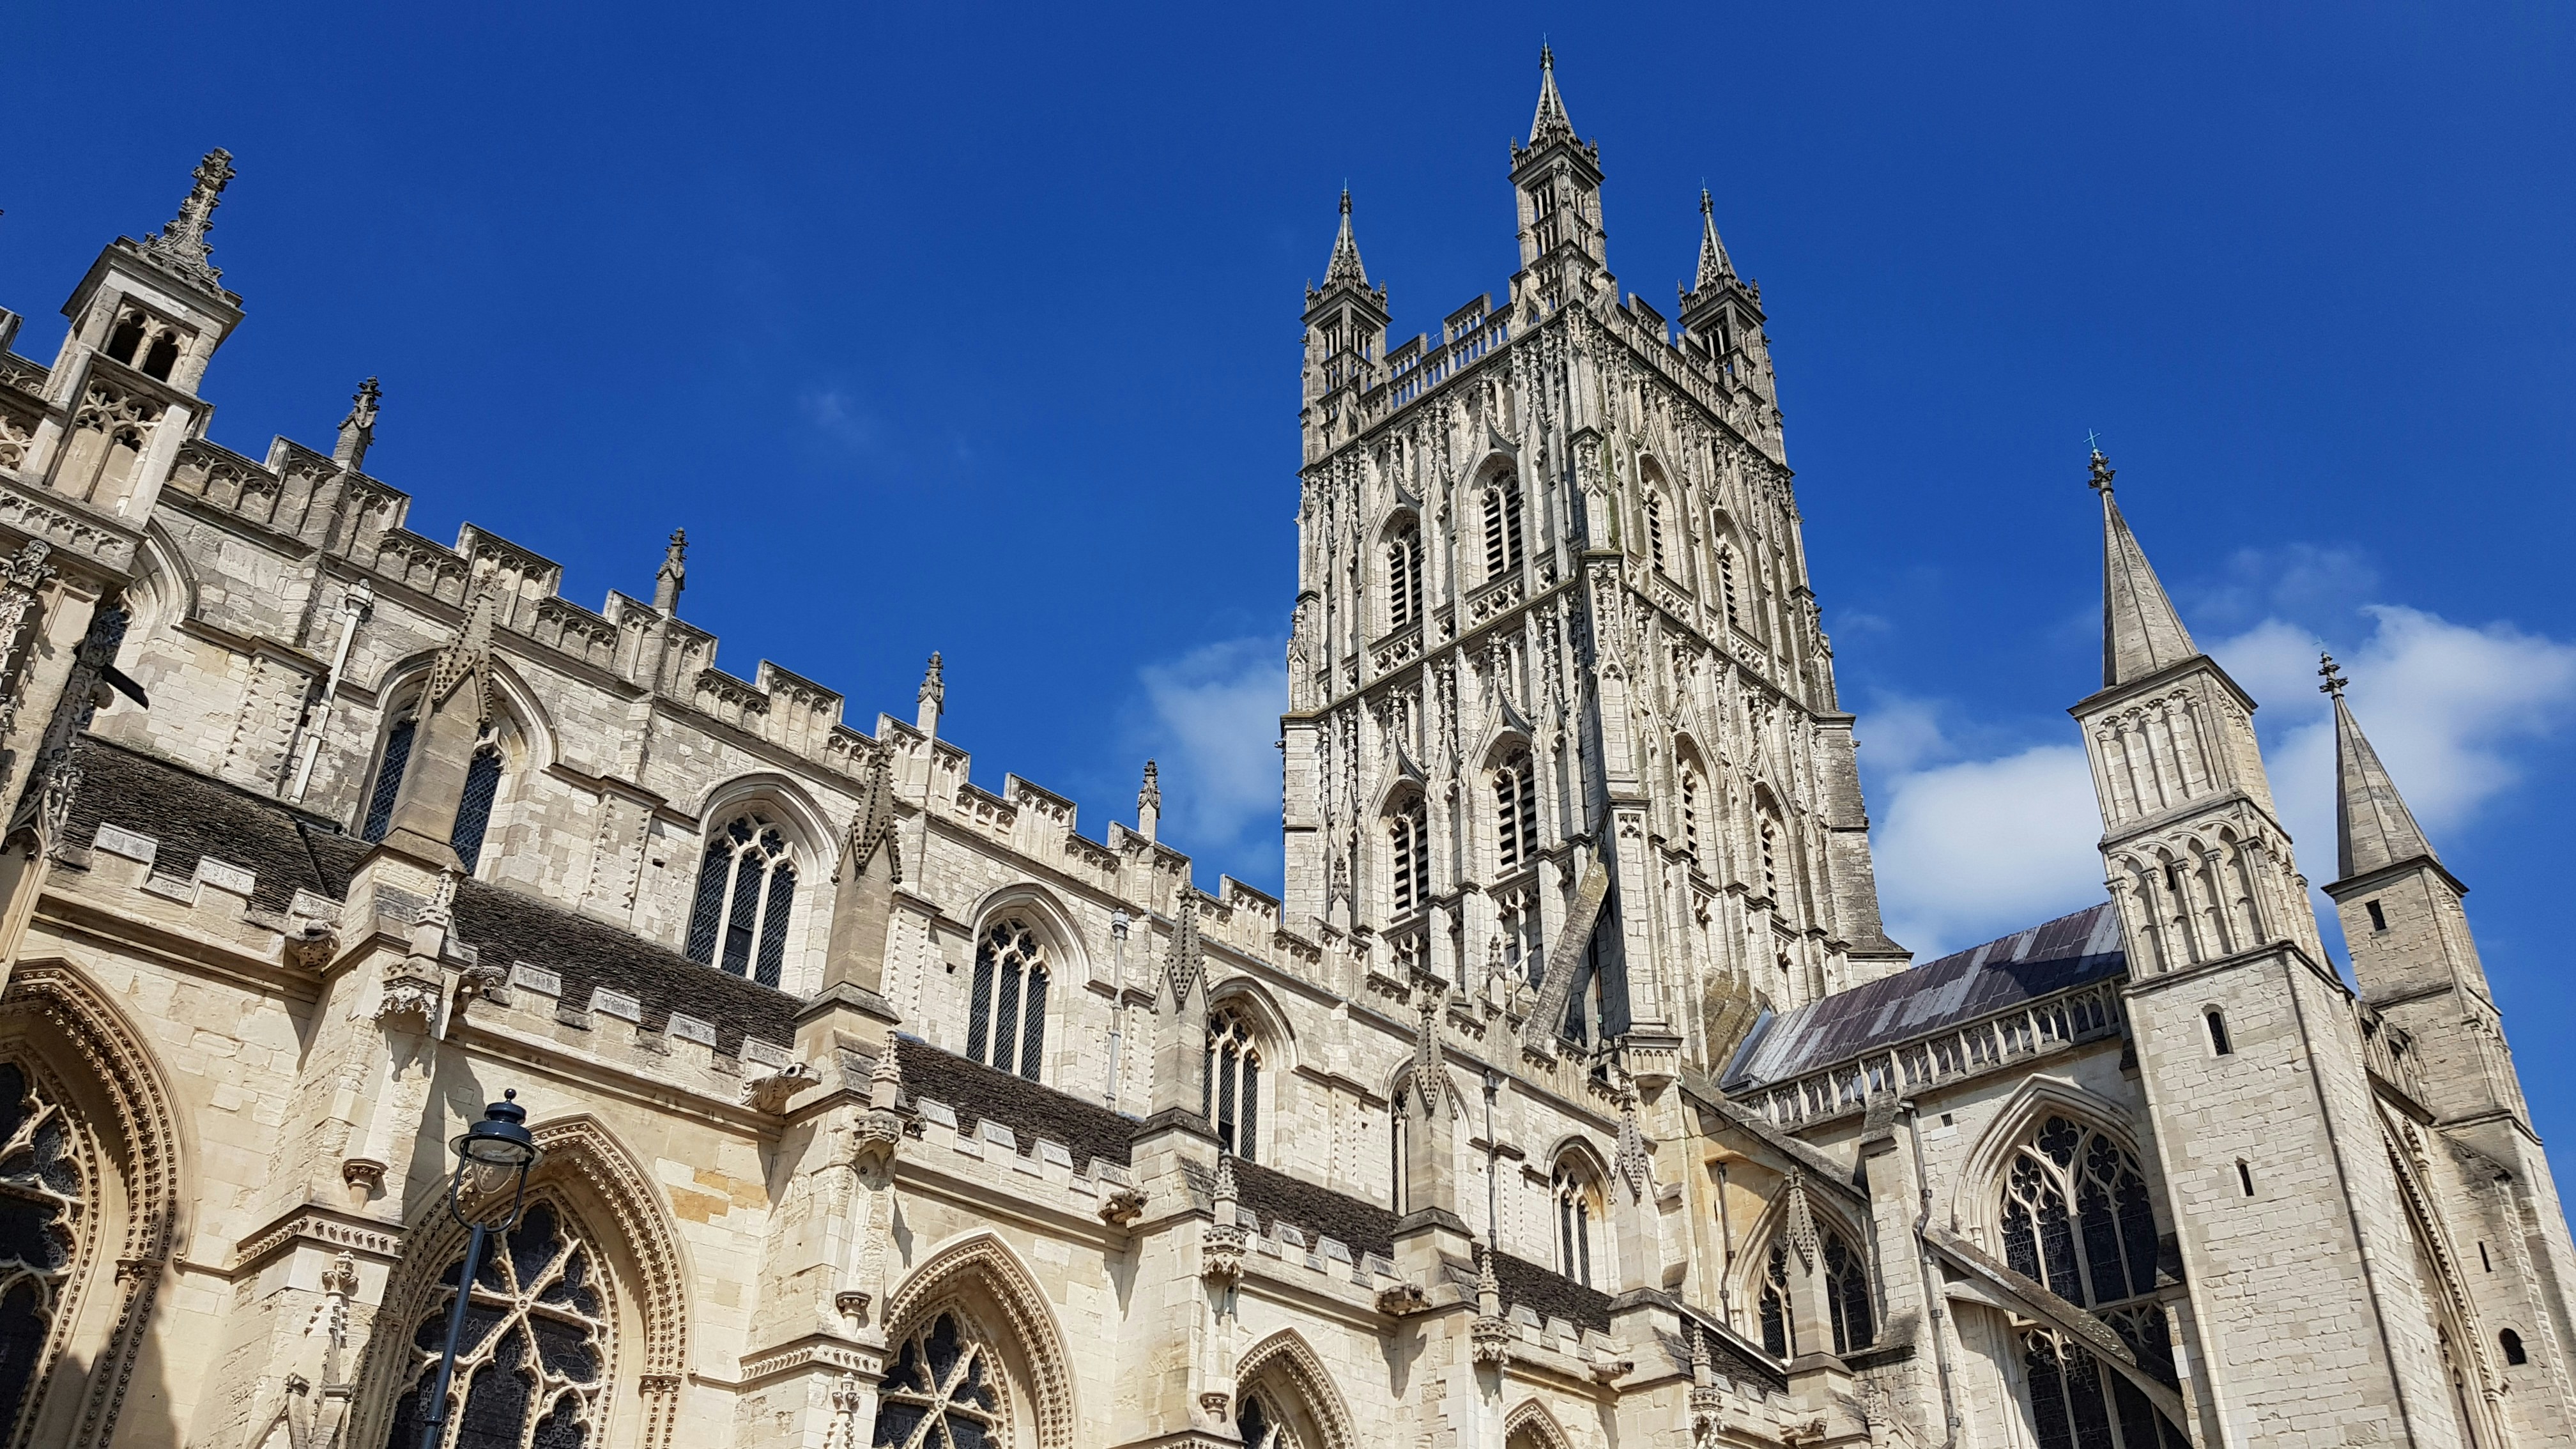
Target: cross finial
column 2332, row 673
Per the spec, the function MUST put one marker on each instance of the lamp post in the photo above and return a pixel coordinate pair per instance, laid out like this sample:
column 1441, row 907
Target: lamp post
column 497, row 1149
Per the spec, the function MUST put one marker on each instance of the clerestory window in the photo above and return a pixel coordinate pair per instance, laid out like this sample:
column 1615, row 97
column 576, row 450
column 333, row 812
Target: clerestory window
column 473, row 807
column 1577, row 1207
column 1232, row 1102
column 1847, row 1301
column 746, row 892
column 1006, row 1019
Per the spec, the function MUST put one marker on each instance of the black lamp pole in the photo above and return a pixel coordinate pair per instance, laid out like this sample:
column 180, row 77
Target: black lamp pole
column 499, row 1143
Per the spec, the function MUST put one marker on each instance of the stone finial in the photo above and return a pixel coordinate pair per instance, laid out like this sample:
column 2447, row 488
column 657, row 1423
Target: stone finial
column 872, row 824
column 2102, row 474
column 358, row 429
column 181, row 246
column 673, row 576
column 1699, row 1367
column 885, row 1078
column 1187, row 959
column 1801, row 1230
column 2332, row 673
column 1430, row 1083
column 466, row 659
column 1634, row 1165
column 1149, row 803
column 1224, row 1191
column 933, row 695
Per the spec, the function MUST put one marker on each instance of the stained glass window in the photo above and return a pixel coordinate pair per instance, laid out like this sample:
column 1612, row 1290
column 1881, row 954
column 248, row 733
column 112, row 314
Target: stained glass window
column 44, row 1210
column 746, row 891
column 1006, row 1018
column 1847, row 1300
column 389, row 775
column 533, row 1361
column 944, row 1392
column 2076, row 1216
column 1575, row 1210
column 474, row 808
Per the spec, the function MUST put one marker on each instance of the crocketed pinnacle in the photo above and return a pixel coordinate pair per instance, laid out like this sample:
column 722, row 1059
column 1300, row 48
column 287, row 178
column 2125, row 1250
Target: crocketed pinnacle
column 1345, row 266
column 182, row 245
column 1550, row 124
column 1714, row 264
column 2141, row 633
column 2373, row 827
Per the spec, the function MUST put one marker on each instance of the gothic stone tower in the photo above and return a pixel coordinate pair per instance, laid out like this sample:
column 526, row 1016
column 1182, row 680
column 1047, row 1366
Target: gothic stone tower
column 2317, row 1287
column 1562, row 723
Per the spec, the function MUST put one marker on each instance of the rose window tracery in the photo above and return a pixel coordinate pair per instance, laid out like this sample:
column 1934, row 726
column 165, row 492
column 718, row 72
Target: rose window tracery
column 45, row 1199
column 944, row 1392
column 534, row 1359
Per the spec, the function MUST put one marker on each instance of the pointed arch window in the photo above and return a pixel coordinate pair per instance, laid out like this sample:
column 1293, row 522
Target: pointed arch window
column 389, row 778
column 1847, row 1297
column 1655, row 529
column 1770, row 839
column 1404, row 577
column 1409, row 855
column 1515, row 810
column 1006, row 1020
column 46, row 1206
column 2076, row 1215
column 2079, row 1402
column 1502, row 528
column 1690, row 811
column 1726, row 583
column 1232, row 1101
column 746, row 892
column 474, row 805
column 944, row 1391
column 1578, row 1205
column 1260, row 1425
column 538, row 1344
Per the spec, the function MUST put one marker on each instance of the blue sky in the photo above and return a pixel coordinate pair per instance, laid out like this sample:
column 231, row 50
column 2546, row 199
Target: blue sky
column 974, row 329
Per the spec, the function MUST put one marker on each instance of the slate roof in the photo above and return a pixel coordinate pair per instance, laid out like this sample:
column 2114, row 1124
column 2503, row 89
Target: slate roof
column 978, row 1093
column 2044, row 959
column 290, row 850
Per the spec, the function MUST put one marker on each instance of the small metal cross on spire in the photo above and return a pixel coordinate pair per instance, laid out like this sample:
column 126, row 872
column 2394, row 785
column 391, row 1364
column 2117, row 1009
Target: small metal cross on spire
column 2333, row 675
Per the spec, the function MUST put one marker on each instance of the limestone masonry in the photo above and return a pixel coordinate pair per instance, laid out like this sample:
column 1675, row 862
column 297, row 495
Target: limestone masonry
column 1572, row 1098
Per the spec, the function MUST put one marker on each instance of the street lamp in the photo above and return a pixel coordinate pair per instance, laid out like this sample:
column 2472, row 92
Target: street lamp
column 493, row 1151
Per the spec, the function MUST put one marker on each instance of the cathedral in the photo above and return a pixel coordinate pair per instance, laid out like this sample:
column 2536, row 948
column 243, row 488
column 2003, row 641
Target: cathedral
column 1570, row 1095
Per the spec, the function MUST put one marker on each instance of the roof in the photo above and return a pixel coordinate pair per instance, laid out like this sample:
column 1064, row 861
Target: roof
column 289, row 850
column 2039, row 961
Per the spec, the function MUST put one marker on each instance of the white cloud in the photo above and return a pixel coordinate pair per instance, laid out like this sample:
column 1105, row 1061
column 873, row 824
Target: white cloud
column 1971, row 848
column 1212, row 722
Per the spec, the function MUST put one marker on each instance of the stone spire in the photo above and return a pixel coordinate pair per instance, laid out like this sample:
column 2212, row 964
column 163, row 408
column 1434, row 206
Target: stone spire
column 2373, row 827
column 1715, row 267
column 1149, row 803
column 673, row 576
column 1551, row 122
column 2141, row 633
column 1345, row 266
column 358, row 429
column 181, row 246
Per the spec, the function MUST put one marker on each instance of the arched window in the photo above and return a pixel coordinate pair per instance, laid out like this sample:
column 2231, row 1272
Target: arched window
column 1578, row 1206
column 1515, row 810
column 539, row 1339
column 2514, row 1353
column 47, row 1203
column 473, row 807
column 1404, row 577
column 746, row 891
column 2078, row 1402
column 2076, row 1216
column 944, row 1391
column 1690, row 811
column 1726, row 583
column 1233, row 1087
column 1006, row 1020
column 1847, row 1300
column 1770, row 839
column 1409, row 855
column 1655, row 529
column 1502, row 527
column 1260, row 1424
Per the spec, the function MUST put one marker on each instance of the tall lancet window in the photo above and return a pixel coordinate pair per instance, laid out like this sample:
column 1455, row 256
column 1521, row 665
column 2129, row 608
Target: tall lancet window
column 1655, row 529
column 1404, row 577
column 1690, row 812
column 1502, row 527
column 1006, row 1020
column 1847, row 1301
column 1726, row 583
column 1233, row 1087
column 1578, row 1207
column 1515, row 811
column 1409, row 856
column 746, row 891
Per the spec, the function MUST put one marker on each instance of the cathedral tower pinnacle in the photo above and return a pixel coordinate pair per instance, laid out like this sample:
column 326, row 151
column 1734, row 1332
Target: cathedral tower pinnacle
column 2141, row 633
column 1564, row 256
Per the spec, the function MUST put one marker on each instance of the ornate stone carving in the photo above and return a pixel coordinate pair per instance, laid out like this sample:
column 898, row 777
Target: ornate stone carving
column 1402, row 1301
column 181, row 246
column 311, row 943
column 364, row 1174
column 1122, row 1207
column 769, row 1091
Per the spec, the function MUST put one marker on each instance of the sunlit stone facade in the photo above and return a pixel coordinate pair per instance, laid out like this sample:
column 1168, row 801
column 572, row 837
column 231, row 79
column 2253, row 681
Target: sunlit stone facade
column 1572, row 1097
